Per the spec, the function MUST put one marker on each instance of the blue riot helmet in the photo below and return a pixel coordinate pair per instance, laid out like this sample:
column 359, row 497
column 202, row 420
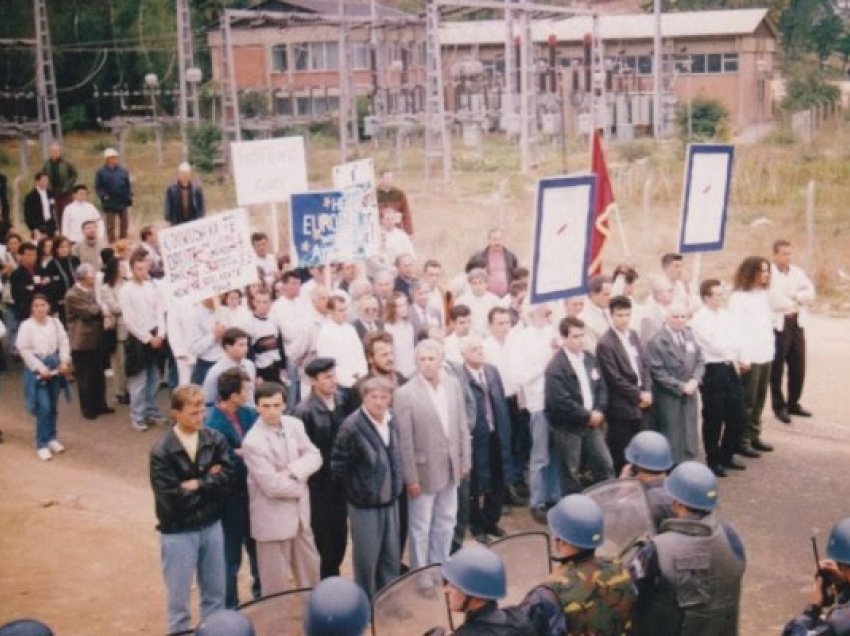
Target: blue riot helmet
column 477, row 571
column 693, row 485
column 651, row 451
column 577, row 520
column 337, row 607
column 838, row 547
column 25, row 627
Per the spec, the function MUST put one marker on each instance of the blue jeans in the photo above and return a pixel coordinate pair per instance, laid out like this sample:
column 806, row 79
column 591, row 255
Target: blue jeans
column 46, row 397
column 12, row 325
column 143, row 388
column 543, row 471
column 199, row 373
column 182, row 555
column 575, row 448
column 431, row 525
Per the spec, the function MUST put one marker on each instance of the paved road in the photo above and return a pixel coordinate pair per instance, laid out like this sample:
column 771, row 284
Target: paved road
column 774, row 504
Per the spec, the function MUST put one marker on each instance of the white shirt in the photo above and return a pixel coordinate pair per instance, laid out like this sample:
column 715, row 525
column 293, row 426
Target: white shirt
column 716, row 334
column 596, row 322
column 440, row 401
column 480, row 306
column 142, row 308
column 530, row 352
column 36, row 340
column 76, row 213
column 577, row 363
column 790, row 292
column 180, row 325
column 238, row 316
column 631, row 350
column 498, row 354
column 451, row 349
column 382, row 427
column 750, row 310
column 268, row 264
column 403, row 346
column 392, row 244
column 340, row 342
column 201, row 341
column 45, row 204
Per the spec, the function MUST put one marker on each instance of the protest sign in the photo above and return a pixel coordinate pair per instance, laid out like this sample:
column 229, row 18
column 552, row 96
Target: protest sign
column 562, row 231
column 708, row 178
column 356, row 180
column 208, row 257
column 326, row 228
column 268, row 170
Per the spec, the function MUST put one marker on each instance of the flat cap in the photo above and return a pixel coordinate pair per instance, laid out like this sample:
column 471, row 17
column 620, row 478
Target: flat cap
column 319, row 365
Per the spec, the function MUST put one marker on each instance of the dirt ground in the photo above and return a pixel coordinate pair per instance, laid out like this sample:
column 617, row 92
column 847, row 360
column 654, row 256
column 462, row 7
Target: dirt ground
column 79, row 549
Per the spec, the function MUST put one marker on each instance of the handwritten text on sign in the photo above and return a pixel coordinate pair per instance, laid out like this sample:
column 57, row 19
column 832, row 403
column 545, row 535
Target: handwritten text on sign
column 327, row 227
column 268, row 170
column 209, row 256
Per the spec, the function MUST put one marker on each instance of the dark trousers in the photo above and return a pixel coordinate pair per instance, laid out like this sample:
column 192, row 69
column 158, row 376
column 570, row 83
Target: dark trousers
column 722, row 411
column 790, row 350
column 91, row 385
column 755, row 382
column 270, row 373
column 236, row 524
column 123, row 218
column 402, row 523
column 573, row 450
column 329, row 521
column 485, row 508
column 61, row 202
column 620, row 433
column 520, row 441
column 199, row 372
column 462, row 518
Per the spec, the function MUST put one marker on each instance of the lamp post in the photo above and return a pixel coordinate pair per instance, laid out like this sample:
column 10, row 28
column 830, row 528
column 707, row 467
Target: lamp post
column 194, row 75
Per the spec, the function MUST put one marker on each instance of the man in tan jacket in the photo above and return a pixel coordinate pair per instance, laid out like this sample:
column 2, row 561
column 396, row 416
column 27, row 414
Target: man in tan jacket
column 85, row 332
column 280, row 460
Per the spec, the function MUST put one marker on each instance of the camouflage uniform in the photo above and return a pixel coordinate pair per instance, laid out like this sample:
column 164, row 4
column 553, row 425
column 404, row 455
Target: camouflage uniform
column 585, row 596
column 835, row 620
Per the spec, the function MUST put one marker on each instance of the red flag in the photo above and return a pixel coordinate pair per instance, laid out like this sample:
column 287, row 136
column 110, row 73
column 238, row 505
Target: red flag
column 603, row 206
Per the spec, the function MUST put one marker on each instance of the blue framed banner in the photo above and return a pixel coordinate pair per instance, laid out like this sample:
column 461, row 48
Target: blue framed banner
column 327, row 227
column 705, row 198
column 562, row 229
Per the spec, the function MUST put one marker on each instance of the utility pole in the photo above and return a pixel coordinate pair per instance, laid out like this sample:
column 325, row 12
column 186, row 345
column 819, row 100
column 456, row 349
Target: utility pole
column 49, row 121
column 188, row 74
column 657, row 72
column 437, row 140
column 230, row 124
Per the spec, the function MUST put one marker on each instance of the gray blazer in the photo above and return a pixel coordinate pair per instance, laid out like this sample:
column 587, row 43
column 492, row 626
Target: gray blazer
column 429, row 458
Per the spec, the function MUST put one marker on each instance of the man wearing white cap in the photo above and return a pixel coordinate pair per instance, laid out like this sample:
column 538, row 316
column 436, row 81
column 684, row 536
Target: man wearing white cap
column 184, row 199
column 112, row 183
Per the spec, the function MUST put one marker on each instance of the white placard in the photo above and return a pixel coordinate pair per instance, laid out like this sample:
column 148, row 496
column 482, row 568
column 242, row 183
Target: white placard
column 708, row 175
column 562, row 237
column 268, row 170
column 356, row 180
column 208, row 257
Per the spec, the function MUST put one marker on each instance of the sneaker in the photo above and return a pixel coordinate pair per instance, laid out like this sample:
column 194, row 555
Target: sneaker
column 44, row 454
column 154, row 420
column 55, row 446
column 139, row 426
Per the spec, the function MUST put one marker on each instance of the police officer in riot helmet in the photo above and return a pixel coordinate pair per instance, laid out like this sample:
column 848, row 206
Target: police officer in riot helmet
column 649, row 458
column 585, row 594
column 474, row 580
column 688, row 577
column 25, row 627
column 337, row 607
column 225, row 622
column 829, row 612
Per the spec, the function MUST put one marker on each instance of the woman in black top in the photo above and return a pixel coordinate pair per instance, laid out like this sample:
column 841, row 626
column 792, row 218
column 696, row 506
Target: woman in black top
column 60, row 271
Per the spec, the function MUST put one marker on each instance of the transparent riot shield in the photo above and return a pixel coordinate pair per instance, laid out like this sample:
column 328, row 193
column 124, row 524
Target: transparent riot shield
column 527, row 563
column 280, row 614
column 627, row 517
column 411, row 605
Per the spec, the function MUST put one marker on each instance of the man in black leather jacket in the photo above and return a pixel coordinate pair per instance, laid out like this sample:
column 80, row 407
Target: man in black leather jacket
column 191, row 474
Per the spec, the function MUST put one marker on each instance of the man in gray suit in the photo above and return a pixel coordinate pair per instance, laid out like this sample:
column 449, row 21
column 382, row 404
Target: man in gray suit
column 677, row 366
column 435, row 451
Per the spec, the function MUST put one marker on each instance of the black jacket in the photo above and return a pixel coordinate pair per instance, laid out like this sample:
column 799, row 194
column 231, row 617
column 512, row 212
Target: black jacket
column 360, row 462
column 492, row 621
column 564, row 405
column 322, row 426
column 181, row 510
column 623, row 385
column 173, row 207
column 34, row 215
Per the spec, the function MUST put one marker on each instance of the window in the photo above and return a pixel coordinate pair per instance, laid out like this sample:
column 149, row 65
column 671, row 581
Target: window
column 730, row 62
column 302, row 57
column 282, row 105
column 713, row 63
column 698, row 64
column 279, row 58
column 361, row 57
column 317, row 56
column 644, row 65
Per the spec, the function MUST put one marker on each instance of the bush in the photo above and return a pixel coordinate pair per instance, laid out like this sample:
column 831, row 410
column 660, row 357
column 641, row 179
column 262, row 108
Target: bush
column 805, row 91
column 709, row 119
column 204, row 147
column 74, row 118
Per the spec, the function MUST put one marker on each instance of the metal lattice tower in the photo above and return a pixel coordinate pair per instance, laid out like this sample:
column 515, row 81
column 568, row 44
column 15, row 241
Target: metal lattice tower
column 438, row 143
column 230, row 122
column 527, row 94
column 49, row 122
column 347, row 110
column 186, row 60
